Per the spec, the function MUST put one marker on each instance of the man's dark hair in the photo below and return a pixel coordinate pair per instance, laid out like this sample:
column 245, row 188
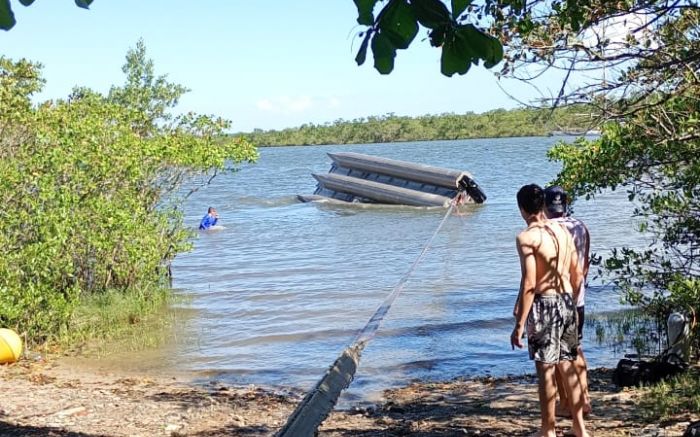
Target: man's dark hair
column 531, row 198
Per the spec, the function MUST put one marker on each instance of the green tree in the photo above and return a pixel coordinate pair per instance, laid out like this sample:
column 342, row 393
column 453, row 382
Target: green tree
column 654, row 153
column 150, row 97
column 91, row 188
column 388, row 128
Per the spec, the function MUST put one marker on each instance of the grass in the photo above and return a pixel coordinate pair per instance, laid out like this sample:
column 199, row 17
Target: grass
column 676, row 396
column 135, row 320
column 627, row 330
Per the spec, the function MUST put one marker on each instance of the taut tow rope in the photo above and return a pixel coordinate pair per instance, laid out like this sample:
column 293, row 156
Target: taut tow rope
column 319, row 402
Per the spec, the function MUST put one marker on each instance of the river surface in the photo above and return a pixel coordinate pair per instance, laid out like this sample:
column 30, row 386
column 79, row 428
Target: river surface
column 276, row 296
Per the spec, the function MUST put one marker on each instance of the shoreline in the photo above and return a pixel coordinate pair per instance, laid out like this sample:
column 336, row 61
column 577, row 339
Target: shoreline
column 400, row 141
column 51, row 398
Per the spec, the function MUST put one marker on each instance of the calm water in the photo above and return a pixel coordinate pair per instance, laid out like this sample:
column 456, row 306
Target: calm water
column 276, row 296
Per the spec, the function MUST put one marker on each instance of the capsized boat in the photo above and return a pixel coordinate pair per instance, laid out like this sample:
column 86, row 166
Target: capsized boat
column 360, row 178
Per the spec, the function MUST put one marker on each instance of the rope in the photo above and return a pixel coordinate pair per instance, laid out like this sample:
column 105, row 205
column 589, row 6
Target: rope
column 372, row 325
column 319, row 402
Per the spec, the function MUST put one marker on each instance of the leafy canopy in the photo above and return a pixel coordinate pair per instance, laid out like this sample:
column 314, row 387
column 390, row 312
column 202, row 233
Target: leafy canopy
column 150, row 97
column 7, row 17
column 497, row 123
column 463, row 42
column 91, row 188
column 650, row 146
column 395, row 27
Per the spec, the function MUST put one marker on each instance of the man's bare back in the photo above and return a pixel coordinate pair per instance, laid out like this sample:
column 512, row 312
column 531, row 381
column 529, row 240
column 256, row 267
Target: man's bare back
column 556, row 260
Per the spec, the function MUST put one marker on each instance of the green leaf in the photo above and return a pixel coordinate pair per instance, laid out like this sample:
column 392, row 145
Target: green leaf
column 365, row 11
column 362, row 53
column 496, row 53
column 398, row 23
column 384, row 53
column 83, row 3
column 458, row 6
column 456, row 55
column 431, row 13
column 26, row 2
column 481, row 45
column 7, row 18
column 437, row 35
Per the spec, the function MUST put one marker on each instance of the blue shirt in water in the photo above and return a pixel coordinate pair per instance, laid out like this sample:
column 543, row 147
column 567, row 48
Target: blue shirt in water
column 207, row 222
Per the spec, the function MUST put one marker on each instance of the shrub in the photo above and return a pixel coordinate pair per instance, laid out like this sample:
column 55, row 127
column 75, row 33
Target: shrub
column 90, row 191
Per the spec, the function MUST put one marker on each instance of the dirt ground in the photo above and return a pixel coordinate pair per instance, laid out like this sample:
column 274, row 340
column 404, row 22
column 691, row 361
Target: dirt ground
column 54, row 399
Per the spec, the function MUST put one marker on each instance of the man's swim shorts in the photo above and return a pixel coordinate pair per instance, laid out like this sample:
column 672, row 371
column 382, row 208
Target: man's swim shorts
column 552, row 333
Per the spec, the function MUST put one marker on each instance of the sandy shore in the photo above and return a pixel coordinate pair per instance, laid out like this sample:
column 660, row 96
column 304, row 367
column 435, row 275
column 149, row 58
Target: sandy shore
column 53, row 399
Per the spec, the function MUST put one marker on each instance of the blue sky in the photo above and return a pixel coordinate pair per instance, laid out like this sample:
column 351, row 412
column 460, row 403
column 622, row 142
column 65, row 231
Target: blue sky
column 265, row 65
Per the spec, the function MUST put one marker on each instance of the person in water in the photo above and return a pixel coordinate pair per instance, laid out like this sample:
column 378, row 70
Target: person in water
column 550, row 282
column 555, row 200
column 209, row 220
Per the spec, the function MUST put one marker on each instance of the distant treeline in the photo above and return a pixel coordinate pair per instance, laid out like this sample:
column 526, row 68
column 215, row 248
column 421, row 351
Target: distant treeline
column 390, row 127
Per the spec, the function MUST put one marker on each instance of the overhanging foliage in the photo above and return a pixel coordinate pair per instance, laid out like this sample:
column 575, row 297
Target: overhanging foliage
column 7, row 17
column 89, row 190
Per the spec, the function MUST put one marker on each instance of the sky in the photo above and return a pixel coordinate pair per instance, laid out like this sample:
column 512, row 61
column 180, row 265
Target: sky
column 265, row 65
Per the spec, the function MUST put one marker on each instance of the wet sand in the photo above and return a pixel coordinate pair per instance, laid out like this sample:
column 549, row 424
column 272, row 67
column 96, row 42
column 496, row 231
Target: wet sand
column 51, row 398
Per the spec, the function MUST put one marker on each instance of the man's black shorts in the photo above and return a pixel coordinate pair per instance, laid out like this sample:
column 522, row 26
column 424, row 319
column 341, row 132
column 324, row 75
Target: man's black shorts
column 581, row 317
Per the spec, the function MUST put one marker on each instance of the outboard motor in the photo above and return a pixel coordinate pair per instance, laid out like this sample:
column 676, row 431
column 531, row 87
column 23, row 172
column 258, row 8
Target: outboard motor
column 678, row 333
column 473, row 190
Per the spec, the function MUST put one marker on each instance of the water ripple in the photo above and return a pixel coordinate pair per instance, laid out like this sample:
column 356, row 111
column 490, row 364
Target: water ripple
column 275, row 296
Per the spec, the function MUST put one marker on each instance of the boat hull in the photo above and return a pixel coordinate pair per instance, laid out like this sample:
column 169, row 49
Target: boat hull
column 355, row 177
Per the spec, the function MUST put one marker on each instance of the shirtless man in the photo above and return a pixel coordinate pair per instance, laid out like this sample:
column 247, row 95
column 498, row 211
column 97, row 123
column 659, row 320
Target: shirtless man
column 550, row 281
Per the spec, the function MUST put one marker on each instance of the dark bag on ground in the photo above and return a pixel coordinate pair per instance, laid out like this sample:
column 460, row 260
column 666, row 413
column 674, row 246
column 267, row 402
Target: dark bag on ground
column 634, row 371
column 693, row 430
